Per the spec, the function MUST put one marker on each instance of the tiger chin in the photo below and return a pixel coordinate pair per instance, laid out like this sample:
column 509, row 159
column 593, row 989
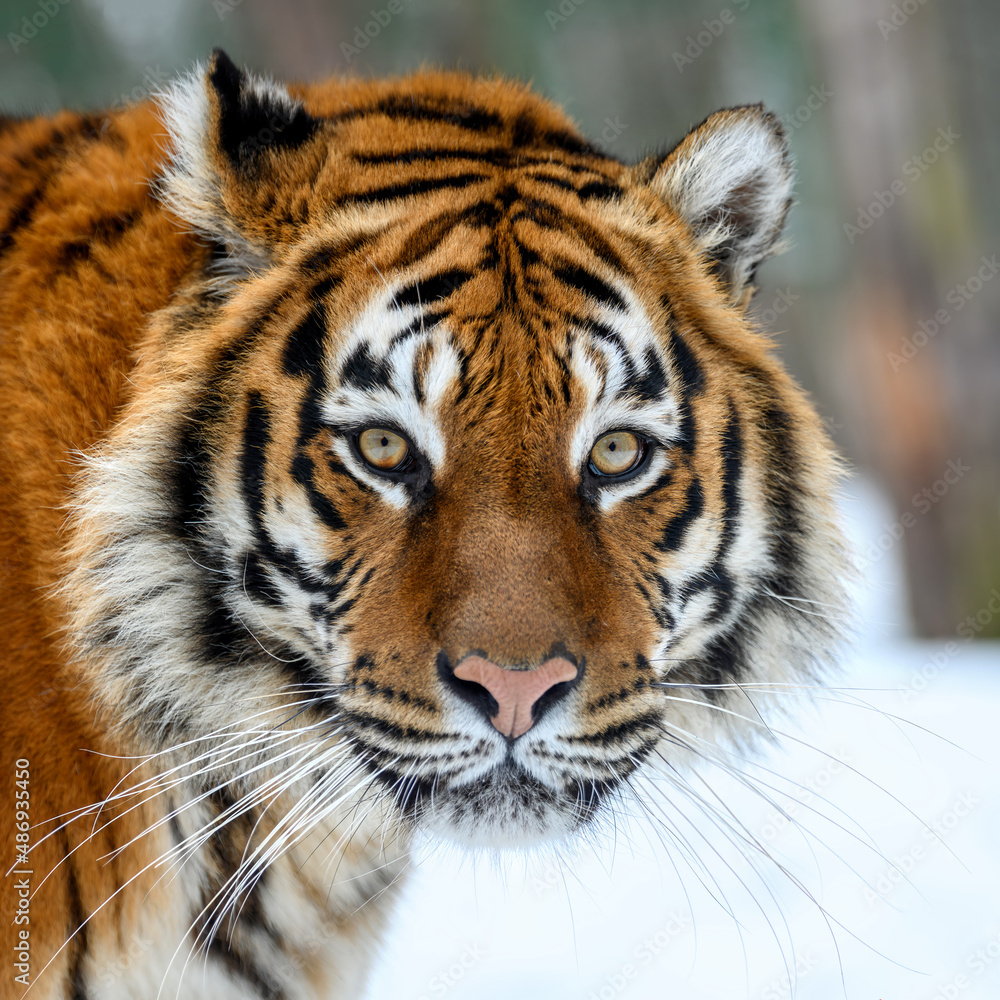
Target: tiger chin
column 381, row 456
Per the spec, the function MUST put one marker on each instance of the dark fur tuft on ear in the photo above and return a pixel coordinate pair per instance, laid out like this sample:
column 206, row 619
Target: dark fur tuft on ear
column 730, row 179
column 254, row 114
column 235, row 137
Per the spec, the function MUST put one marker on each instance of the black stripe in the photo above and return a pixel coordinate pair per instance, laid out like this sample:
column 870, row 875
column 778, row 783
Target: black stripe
column 426, row 238
column 664, row 616
column 319, row 262
column 35, row 163
column 304, row 347
column 302, row 471
column 605, row 332
column 599, row 189
column 78, row 926
column 694, row 502
column 257, row 580
column 717, row 578
column 617, row 733
column 242, row 968
column 224, row 640
column 21, row 216
column 685, row 366
column 565, row 378
column 495, row 157
column 725, row 658
column 554, row 181
column 256, row 438
column 104, row 233
column 416, row 187
column 652, row 383
column 602, row 330
column 253, row 461
column 525, row 131
column 191, row 470
column 364, row 371
column 590, row 285
column 465, row 116
column 783, row 473
column 407, row 734
column 419, row 324
column 731, row 452
column 427, row 290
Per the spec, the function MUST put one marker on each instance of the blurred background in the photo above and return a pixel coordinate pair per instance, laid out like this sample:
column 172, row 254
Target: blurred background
column 885, row 307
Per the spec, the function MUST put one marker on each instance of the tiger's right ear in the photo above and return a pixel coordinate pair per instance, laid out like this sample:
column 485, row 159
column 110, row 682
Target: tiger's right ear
column 232, row 136
column 730, row 181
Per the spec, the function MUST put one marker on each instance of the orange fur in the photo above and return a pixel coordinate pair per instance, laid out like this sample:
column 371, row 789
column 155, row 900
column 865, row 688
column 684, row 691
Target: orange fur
column 106, row 313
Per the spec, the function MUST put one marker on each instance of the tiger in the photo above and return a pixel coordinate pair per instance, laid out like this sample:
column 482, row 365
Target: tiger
column 381, row 458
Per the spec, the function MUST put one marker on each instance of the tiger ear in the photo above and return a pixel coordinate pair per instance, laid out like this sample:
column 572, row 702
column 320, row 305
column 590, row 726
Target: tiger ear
column 730, row 179
column 238, row 148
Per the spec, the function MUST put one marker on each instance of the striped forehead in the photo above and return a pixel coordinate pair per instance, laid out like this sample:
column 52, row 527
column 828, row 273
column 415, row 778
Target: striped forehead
column 397, row 361
column 392, row 366
column 621, row 368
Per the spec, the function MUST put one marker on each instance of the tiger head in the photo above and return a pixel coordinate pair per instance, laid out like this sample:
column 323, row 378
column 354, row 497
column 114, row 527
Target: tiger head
column 460, row 448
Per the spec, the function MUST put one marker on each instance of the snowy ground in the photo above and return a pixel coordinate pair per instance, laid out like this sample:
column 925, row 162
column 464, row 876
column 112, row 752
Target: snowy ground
column 882, row 826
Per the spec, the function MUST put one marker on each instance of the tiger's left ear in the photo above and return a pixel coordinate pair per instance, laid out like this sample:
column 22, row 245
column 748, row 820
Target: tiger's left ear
column 241, row 160
column 730, row 180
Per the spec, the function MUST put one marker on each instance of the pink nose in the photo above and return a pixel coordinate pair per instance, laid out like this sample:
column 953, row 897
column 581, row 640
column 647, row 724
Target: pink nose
column 515, row 691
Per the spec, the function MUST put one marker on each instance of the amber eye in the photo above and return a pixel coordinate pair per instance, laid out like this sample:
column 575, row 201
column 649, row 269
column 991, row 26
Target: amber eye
column 616, row 453
column 384, row 449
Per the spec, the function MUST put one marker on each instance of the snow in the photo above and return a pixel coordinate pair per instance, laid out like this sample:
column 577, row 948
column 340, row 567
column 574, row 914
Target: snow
column 880, row 877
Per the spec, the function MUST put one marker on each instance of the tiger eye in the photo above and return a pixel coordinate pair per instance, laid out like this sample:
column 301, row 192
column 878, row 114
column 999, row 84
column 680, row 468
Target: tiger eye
column 616, row 453
column 384, row 449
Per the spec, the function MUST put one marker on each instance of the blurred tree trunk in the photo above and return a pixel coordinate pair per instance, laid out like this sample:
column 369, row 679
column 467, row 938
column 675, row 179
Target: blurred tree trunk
column 921, row 365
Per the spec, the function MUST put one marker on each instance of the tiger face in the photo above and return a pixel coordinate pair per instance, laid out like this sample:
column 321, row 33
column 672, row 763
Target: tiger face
column 462, row 453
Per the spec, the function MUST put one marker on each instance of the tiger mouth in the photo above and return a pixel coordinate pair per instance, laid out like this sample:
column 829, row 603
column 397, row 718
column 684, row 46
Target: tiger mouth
column 506, row 803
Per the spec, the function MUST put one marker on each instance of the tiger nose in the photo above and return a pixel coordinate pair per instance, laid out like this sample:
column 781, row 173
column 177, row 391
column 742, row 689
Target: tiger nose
column 517, row 695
